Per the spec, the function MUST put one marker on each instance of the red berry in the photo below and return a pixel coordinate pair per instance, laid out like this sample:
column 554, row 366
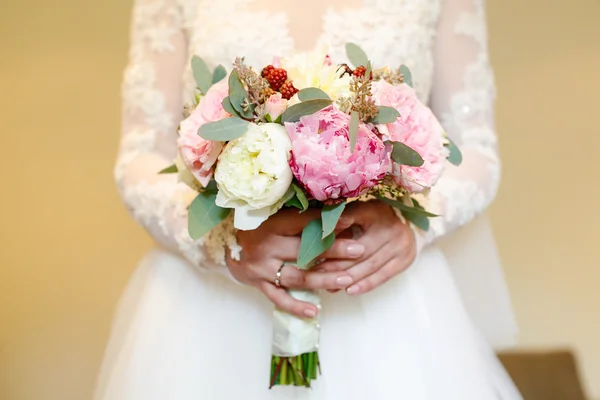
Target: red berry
column 359, row 71
column 276, row 77
column 266, row 70
column 288, row 90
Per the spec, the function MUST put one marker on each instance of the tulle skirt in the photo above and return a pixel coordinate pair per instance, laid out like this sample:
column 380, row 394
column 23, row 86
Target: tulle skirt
column 182, row 334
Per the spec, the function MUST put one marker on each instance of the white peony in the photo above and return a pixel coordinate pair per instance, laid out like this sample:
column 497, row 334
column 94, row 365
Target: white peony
column 253, row 175
column 313, row 70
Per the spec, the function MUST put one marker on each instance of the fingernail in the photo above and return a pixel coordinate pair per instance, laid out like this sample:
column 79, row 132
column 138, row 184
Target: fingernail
column 310, row 313
column 344, row 280
column 352, row 290
column 355, row 250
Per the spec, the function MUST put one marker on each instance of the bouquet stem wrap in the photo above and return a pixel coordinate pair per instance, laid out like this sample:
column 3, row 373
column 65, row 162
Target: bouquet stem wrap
column 295, row 359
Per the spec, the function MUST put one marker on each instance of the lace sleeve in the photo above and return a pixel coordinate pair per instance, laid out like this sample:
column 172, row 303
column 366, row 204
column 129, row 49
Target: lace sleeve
column 152, row 93
column 463, row 98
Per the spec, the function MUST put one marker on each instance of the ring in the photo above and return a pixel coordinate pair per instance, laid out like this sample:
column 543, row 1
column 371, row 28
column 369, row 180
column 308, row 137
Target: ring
column 278, row 276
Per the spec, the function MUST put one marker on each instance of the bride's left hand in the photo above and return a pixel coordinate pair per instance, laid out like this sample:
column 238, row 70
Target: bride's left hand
column 390, row 247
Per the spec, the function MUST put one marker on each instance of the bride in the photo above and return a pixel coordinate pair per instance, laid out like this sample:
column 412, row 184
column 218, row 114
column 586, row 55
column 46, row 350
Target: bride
column 405, row 315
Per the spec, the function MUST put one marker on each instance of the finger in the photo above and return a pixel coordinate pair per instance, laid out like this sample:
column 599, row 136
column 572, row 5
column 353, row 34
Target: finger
column 344, row 248
column 290, row 222
column 372, row 241
column 381, row 276
column 294, row 278
column 362, row 213
column 287, row 303
column 370, row 266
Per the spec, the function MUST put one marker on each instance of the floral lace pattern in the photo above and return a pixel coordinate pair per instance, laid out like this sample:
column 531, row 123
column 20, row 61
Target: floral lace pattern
column 166, row 33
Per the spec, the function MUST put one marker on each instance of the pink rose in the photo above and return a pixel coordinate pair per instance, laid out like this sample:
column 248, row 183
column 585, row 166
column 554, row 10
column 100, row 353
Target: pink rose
column 275, row 106
column 418, row 128
column 322, row 160
column 198, row 154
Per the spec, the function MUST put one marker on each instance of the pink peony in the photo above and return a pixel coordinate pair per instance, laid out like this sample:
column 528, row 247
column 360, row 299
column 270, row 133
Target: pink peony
column 275, row 106
column 322, row 160
column 198, row 154
column 418, row 128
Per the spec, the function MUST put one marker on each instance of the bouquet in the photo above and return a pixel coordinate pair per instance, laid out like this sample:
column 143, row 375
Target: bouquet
column 305, row 132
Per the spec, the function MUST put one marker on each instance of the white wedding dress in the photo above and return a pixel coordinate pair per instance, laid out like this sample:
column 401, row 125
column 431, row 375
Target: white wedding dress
column 186, row 331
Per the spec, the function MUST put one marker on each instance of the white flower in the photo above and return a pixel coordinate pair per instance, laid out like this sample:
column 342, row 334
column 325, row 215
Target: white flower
column 253, row 175
column 312, row 70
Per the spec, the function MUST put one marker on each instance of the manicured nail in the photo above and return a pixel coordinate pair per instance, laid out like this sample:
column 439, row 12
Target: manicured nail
column 355, row 250
column 344, row 280
column 310, row 313
column 352, row 290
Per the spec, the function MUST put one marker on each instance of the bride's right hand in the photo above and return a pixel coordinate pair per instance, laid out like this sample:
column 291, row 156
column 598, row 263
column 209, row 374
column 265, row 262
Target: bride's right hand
column 276, row 241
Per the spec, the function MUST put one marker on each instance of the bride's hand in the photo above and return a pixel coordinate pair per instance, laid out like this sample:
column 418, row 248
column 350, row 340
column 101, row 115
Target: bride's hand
column 276, row 241
column 390, row 247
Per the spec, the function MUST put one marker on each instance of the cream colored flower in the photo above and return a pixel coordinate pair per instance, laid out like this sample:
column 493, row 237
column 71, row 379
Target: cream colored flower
column 312, row 70
column 253, row 174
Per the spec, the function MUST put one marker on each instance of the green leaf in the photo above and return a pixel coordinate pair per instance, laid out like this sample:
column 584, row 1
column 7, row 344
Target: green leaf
column 293, row 113
column 229, row 108
column 353, row 130
column 330, row 215
column 403, row 207
column 420, row 221
column 312, row 243
column 238, row 95
column 386, row 115
column 356, row 55
column 369, row 70
column 204, row 214
column 312, row 93
column 404, row 155
column 171, row 169
column 202, row 74
column 224, row 130
column 294, row 202
column 218, row 74
column 407, row 75
column 455, row 156
column 211, row 187
column 301, row 196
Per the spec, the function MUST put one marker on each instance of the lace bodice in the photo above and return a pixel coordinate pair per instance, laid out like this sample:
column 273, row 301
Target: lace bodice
column 443, row 41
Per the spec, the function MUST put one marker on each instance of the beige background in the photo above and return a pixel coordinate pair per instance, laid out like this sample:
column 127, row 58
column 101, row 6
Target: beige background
column 68, row 246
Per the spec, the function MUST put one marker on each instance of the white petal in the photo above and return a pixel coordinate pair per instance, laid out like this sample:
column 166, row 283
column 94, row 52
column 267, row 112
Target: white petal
column 246, row 219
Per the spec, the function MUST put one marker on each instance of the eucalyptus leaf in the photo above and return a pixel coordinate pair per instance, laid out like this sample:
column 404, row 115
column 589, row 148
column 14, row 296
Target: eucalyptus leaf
column 420, row 221
column 238, row 95
column 455, row 156
column 312, row 93
column 293, row 113
column 356, row 55
column 202, row 74
column 224, row 130
column 312, row 243
column 229, row 108
column 369, row 70
column 211, row 187
column 407, row 75
column 403, row 207
column 353, row 130
column 294, row 202
column 301, row 196
column 404, row 155
column 204, row 214
column 386, row 115
column 330, row 215
column 218, row 74
column 171, row 169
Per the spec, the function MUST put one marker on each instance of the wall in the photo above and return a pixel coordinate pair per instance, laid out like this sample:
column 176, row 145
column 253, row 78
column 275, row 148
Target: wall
column 68, row 246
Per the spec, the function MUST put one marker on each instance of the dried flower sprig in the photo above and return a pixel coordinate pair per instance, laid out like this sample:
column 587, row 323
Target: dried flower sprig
column 360, row 100
column 387, row 74
column 256, row 86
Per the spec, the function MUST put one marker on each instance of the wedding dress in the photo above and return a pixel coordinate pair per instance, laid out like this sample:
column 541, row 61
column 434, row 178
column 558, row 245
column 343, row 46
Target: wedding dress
column 186, row 331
